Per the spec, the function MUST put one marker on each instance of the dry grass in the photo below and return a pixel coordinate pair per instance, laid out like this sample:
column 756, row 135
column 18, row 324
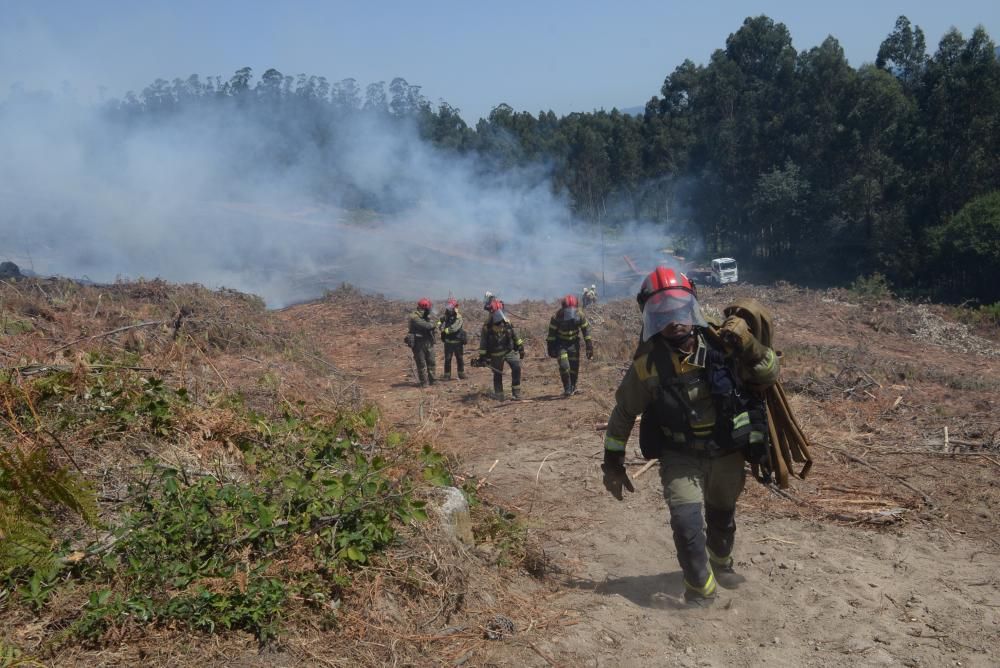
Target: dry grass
column 425, row 601
column 870, row 381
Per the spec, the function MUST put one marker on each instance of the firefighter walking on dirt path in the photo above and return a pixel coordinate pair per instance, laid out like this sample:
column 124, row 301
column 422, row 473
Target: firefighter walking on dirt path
column 421, row 340
column 454, row 336
column 565, row 329
column 696, row 387
column 499, row 343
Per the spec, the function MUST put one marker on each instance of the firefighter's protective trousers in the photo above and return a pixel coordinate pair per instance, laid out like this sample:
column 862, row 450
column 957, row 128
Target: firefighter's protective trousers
column 702, row 530
column 514, row 362
column 423, row 356
column 455, row 350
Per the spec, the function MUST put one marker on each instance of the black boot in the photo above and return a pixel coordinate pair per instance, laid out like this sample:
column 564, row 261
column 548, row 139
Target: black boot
column 726, row 575
column 689, row 540
column 721, row 536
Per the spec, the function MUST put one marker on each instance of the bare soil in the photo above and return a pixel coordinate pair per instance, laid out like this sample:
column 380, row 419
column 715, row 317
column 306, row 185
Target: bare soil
column 887, row 554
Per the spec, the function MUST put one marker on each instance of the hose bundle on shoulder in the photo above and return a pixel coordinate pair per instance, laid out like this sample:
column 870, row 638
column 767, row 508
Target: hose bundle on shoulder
column 789, row 445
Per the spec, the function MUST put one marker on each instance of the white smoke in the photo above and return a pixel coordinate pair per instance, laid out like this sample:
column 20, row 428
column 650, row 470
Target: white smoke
column 201, row 196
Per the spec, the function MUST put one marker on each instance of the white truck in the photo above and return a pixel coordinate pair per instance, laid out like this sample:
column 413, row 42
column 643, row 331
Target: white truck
column 723, row 270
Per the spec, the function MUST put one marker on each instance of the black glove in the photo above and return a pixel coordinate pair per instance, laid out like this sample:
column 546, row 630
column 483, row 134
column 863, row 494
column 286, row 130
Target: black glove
column 590, row 351
column 759, row 457
column 614, row 474
column 520, row 353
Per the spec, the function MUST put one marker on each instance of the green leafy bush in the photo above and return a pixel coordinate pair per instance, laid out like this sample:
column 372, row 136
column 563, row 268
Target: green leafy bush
column 985, row 315
column 209, row 551
column 874, row 287
column 990, row 314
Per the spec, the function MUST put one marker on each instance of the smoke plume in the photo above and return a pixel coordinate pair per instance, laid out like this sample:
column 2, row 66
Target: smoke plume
column 218, row 195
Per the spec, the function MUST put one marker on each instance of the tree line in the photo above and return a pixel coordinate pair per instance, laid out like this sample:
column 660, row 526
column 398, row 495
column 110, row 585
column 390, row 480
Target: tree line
column 800, row 165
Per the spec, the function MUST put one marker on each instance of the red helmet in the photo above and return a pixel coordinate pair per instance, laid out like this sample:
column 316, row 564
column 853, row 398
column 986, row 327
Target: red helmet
column 495, row 305
column 452, row 304
column 424, row 304
column 667, row 296
column 664, row 279
column 569, row 301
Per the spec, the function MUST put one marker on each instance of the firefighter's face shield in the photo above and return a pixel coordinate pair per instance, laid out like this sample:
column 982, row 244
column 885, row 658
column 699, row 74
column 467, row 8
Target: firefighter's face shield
column 568, row 313
column 672, row 307
column 497, row 317
column 450, row 308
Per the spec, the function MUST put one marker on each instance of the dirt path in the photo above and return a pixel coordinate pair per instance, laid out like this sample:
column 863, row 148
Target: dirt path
column 819, row 592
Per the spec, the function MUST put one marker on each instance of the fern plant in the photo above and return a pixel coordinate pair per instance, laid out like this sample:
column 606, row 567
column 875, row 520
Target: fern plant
column 32, row 490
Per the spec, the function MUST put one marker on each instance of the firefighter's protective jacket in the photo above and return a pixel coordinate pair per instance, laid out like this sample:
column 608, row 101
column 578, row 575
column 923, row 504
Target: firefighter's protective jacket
column 642, row 383
column 422, row 327
column 451, row 327
column 499, row 340
column 566, row 326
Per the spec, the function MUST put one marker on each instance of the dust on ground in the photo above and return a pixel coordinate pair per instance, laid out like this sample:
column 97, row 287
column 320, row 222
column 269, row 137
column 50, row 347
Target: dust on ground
column 886, row 554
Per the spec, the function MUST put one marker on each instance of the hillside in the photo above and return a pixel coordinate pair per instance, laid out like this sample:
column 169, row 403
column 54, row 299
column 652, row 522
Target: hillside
column 886, row 554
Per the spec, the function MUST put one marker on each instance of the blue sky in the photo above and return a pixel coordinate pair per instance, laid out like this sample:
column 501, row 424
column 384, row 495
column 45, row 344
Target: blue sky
column 561, row 55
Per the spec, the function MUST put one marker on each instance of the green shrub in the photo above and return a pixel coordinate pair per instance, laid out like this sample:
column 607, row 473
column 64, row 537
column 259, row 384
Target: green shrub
column 874, row 287
column 990, row 314
column 208, row 551
column 984, row 315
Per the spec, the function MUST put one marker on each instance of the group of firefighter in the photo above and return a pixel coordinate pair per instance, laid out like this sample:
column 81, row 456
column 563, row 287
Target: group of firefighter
column 499, row 342
column 697, row 388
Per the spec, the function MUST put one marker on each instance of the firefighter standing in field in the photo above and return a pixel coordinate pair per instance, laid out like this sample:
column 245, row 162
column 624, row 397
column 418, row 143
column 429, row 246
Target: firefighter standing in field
column 696, row 388
column 563, row 341
column 499, row 343
column 454, row 337
column 489, row 298
column 421, row 336
column 589, row 296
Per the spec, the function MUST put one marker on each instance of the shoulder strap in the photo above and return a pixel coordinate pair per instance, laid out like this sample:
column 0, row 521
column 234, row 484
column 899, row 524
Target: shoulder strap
column 660, row 358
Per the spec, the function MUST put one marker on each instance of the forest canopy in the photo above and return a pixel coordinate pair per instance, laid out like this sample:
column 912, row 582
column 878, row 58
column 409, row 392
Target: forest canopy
column 801, row 165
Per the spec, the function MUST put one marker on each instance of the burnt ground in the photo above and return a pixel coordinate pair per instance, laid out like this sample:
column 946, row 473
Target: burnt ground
column 886, row 554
